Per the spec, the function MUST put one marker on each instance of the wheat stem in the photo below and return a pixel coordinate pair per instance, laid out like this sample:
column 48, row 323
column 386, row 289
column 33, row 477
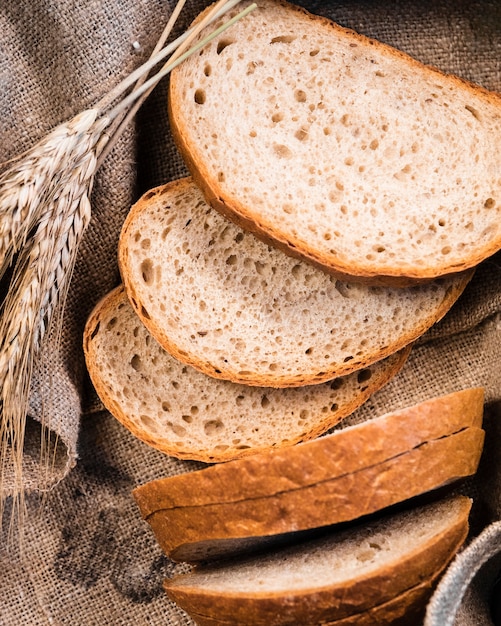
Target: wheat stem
column 128, row 100
column 44, row 212
column 120, row 123
column 146, row 67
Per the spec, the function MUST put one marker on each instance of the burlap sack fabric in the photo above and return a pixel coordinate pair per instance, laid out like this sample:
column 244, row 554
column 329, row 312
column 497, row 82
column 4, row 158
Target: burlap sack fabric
column 88, row 557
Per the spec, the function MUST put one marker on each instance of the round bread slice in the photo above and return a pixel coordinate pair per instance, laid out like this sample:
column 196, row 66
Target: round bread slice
column 337, row 478
column 222, row 301
column 383, row 569
column 184, row 413
column 341, row 149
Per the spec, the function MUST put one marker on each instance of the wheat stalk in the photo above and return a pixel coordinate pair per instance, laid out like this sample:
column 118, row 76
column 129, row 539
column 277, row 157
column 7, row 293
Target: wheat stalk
column 44, row 211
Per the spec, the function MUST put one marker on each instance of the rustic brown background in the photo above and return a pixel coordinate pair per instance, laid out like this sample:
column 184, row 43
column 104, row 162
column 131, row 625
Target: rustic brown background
column 89, row 559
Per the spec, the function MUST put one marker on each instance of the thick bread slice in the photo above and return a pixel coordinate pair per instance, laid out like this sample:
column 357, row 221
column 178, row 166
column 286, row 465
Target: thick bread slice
column 341, row 149
column 187, row 414
column 405, row 609
column 219, row 299
column 337, row 478
column 340, row 576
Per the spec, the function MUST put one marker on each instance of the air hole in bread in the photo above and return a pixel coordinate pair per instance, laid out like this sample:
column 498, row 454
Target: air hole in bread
column 265, row 401
column 213, row 427
column 136, row 363
column 200, row 96
column 446, row 250
column 300, row 95
column 282, row 151
column 343, row 289
column 277, row 117
column 178, row 430
column 146, row 243
column 208, row 69
column 96, row 328
column 111, row 323
column 283, row 39
column 301, row 134
column 473, row 111
column 148, row 422
column 334, row 407
column 222, row 44
column 364, row 375
column 147, row 271
column 490, row 203
column 221, row 177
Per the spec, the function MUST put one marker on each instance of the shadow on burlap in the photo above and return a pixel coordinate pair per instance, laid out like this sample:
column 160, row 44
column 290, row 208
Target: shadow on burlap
column 89, row 558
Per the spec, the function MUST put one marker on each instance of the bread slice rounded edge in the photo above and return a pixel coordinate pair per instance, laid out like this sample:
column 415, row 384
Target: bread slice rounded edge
column 259, row 377
column 243, row 216
column 394, row 364
column 200, row 533
column 344, row 451
column 336, row 602
column 405, row 609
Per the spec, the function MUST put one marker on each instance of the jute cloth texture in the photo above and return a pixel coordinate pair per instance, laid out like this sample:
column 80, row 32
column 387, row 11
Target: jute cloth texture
column 88, row 557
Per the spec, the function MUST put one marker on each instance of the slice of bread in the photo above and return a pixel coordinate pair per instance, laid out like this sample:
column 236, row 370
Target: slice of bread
column 381, row 570
column 222, row 301
column 337, row 478
column 187, row 414
column 341, row 149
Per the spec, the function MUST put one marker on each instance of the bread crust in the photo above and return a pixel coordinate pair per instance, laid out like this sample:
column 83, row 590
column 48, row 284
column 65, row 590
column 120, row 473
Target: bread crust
column 406, row 609
column 388, row 460
column 344, row 452
column 400, row 274
column 184, row 533
column 394, row 591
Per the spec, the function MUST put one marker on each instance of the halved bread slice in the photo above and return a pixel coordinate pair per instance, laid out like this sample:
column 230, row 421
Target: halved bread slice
column 222, row 301
column 337, row 478
column 186, row 414
column 341, row 149
column 373, row 573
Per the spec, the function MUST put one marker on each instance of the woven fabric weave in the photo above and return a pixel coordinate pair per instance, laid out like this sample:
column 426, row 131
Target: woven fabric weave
column 88, row 557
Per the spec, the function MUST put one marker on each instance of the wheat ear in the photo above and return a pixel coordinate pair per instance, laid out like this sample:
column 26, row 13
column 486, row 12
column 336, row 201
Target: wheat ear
column 44, row 211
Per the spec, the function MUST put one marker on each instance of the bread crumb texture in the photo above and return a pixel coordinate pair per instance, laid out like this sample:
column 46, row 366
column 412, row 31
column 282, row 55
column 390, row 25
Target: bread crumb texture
column 349, row 151
column 183, row 412
column 223, row 301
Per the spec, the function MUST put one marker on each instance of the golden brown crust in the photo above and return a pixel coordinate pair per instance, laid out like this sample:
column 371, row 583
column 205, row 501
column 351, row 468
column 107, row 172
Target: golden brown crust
column 406, row 609
column 182, row 532
column 389, row 591
column 344, row 452
column 243, row 215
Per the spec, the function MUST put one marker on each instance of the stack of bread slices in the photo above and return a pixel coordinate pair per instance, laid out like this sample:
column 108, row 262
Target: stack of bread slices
column 341, row 195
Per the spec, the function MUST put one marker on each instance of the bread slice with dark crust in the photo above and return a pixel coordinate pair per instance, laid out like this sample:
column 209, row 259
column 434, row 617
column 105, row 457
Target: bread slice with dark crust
column 222, row 301
column 382, row 570
column 337, row 478
column 184, row 413
column 340, row 149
